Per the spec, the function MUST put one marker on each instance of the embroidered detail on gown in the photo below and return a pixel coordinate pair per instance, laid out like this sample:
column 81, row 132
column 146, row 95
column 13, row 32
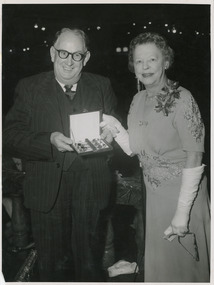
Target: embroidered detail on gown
column 194, row 120
column 158, row 169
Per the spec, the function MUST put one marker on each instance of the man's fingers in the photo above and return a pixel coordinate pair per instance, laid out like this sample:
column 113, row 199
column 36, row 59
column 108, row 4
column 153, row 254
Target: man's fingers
column 65, row 147
column 67, row 140
column 61, row 142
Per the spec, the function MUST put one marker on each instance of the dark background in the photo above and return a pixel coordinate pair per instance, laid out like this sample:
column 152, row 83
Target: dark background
column 118, row 23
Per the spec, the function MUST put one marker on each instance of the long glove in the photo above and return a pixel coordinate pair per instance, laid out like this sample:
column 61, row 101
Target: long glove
column 120, row 135
column 191, row 178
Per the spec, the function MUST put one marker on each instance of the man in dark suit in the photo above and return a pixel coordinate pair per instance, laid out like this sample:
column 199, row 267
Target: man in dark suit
column 67, row 194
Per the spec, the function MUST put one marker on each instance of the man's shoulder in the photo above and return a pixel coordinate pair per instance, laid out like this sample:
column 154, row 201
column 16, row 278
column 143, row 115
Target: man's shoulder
column 38, row 78
column 95, row 77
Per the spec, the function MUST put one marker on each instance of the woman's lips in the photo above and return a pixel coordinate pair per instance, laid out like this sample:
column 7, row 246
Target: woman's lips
column 145, row 75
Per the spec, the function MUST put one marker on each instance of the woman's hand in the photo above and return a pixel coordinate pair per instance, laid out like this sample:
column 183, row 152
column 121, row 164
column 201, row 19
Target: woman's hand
column 111, row 124
column 120, row 135
column 191, row 177
column 180, row 223
column 179, row 226
column 107, row 135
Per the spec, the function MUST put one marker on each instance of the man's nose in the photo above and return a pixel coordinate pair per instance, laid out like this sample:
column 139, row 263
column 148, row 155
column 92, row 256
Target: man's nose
column 69, row 59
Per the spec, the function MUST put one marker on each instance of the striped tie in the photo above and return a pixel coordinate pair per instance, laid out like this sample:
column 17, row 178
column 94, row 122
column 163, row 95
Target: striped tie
column 69, row 92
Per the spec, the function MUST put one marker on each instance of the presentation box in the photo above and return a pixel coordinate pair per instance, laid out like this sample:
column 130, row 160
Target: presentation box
column 85, row 132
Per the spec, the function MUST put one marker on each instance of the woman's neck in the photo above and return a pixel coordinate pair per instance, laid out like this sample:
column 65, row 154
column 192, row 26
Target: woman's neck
column 153, row 90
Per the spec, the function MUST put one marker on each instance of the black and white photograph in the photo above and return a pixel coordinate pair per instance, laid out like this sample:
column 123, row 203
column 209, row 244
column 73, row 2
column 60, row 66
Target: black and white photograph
column 106, row 141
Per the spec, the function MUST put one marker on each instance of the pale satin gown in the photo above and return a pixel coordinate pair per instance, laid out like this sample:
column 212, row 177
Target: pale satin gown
column 160, row 134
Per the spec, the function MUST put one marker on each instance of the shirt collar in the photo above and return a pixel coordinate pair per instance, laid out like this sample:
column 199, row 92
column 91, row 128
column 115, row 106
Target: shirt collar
column 74, row 87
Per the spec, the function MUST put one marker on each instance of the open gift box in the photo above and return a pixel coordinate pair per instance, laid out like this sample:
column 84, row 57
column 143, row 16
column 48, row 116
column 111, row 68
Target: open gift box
column 85, row 133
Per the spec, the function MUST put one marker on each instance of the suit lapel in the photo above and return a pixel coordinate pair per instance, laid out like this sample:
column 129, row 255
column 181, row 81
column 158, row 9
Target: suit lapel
column 62, row 101
column 55, row 108
column 87, row 95
column 49, row 97
column 86, row 99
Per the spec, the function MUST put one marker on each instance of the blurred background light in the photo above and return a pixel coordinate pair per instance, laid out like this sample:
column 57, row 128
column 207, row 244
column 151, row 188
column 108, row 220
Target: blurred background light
column 174, row 30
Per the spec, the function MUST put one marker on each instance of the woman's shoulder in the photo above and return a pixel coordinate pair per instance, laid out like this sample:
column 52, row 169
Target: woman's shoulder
column 137, row 99
column 184, row 93
column 139, row 95
column 186, row 101
column 185, row 96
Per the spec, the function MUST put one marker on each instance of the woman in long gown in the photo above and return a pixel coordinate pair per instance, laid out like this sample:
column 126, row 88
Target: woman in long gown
column 166, row 132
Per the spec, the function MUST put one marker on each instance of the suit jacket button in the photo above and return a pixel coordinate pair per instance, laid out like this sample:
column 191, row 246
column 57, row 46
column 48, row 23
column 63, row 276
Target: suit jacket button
column 58, row 165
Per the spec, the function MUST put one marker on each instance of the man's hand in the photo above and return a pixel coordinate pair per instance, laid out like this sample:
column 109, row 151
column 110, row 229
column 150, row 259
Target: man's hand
column 61, row 142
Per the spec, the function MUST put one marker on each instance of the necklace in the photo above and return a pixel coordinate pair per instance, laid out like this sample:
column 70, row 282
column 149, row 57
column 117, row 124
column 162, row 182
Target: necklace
column 150, row 98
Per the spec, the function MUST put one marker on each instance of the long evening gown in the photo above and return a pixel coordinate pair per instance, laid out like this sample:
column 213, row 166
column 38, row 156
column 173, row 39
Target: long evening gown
column 160, row 132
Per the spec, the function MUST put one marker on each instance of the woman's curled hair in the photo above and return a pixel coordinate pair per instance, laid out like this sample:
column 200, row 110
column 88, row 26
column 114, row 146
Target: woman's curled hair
column 154, row 38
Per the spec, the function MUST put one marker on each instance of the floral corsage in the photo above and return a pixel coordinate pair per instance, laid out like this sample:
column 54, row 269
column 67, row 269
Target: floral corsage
column 166, row 98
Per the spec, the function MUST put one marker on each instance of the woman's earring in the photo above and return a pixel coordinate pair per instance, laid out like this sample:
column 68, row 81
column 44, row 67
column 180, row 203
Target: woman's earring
column 138, row 85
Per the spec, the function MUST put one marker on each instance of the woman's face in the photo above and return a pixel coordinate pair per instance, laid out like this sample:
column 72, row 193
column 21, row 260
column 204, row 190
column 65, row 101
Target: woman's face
column 149, row 64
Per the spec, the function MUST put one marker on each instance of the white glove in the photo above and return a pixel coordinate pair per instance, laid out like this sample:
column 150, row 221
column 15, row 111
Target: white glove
column 122, row 267
column 191, row 178
column 120, row 135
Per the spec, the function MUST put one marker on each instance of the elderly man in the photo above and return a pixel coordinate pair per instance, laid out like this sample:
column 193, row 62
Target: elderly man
column 67, row 194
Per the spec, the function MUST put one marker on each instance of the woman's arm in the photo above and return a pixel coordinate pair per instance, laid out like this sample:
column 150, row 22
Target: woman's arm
column 194, row 159
column 191, row 177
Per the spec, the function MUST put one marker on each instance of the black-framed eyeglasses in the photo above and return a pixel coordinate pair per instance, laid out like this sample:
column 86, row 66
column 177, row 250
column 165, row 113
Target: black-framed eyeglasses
column 191, row 251
column 76, row 56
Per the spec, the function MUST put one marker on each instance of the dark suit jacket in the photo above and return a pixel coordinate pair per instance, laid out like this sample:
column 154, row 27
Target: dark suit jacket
column 34, row 116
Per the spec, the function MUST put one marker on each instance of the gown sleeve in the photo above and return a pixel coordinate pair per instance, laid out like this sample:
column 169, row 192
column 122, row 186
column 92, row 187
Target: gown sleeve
column 189, row 123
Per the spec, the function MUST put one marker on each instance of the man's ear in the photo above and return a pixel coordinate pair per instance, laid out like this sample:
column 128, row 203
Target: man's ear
column 87, row 57
column 52, row 53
